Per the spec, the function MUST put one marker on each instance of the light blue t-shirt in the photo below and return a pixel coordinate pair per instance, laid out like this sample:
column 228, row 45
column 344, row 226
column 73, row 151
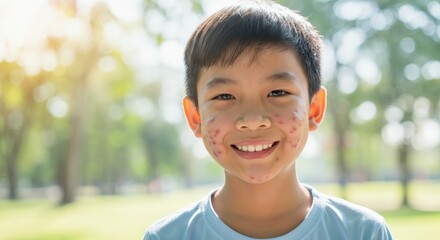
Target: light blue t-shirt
column 328, row 218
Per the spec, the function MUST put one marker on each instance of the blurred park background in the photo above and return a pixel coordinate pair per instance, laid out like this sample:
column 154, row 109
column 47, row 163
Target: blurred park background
column 93, row 143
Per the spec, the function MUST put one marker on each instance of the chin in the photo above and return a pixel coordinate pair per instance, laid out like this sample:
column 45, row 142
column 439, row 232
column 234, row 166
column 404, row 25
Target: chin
column 258, row 178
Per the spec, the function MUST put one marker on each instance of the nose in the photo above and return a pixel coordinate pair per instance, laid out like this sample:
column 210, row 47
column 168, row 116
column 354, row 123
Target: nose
column 253, row 122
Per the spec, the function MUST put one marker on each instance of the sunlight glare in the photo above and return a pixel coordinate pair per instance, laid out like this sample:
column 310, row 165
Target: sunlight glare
column 392, row 133
column 367, row 69
column 347, row 81
column 328, row 66
column 352, row 10
column 393, row 114
column 412, row 17
column 58, row 106
column 141, row 107
column 428, row 135
column 411, row 71
column 349, row 45
column 431, row 70
column 364, row 112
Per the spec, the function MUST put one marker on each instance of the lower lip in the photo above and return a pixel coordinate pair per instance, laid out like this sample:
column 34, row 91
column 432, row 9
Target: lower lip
column 256, row 155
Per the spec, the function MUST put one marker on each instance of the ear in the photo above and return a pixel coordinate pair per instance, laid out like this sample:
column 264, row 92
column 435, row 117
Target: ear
column 317, row 108
column 192, row 116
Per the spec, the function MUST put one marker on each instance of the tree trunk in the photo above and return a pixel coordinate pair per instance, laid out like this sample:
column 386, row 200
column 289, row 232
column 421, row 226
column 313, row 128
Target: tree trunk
column 69, row 167
column 339, row 110
column 153, row 170
column 15, row 138
column 186, row 165
column 403, row 155
column 13, row 172
column 341, row 164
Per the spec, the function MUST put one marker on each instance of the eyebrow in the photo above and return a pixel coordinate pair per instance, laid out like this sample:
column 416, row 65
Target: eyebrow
column 283, row 76
column 218, row 81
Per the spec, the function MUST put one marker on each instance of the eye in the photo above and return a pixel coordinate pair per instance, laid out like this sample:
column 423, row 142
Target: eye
column 224, row 96
column 277, row 93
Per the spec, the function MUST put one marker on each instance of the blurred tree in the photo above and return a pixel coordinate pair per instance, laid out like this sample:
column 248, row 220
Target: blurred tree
column 111, row 131
column 17, row 107
column 162, row 147
column 384, row 55
column 413, row 51
column 162, row 144
column 75, row 42
column 78, row 76
column 160, row 140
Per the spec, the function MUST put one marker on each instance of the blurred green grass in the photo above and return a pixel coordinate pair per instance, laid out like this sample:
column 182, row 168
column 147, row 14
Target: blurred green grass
column 127, row 217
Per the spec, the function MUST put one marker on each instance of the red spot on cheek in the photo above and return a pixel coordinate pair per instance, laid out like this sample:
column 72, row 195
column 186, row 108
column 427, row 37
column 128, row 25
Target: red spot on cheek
column 252, row 177
column 293, row 129
column 296, row 118
column 295, row 144
column 217, row 153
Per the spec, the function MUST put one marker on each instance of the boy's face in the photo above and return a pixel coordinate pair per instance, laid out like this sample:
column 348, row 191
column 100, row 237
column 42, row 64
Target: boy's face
column 254, row 115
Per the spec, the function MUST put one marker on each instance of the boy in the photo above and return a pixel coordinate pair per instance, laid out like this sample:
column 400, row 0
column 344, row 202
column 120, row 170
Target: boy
column 253, row 94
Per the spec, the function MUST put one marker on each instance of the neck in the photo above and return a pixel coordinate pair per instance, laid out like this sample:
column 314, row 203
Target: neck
column 262, row 210
column 265, row 199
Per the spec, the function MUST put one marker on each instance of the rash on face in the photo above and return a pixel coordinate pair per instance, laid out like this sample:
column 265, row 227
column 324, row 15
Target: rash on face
column 212, row 139
column 292, row 123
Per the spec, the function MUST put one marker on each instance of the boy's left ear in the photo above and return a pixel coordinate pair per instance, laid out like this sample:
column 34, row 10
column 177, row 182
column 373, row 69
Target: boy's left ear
column 317, row 108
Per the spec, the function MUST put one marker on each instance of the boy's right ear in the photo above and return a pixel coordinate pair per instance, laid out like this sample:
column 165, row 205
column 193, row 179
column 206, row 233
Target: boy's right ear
column 192, row 116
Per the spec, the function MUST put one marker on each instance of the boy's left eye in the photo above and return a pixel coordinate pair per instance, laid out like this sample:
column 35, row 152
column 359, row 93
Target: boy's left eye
column 277, row 93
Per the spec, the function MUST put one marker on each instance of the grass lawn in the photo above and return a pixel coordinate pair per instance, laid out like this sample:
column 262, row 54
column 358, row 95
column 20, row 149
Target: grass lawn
column 127, row 217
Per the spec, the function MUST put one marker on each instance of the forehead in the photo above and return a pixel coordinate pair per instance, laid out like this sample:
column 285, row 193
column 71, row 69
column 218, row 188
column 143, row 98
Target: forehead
column 251, row 51
column 256, row 61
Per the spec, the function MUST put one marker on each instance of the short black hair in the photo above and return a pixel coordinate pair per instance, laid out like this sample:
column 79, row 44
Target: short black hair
column 252, row 25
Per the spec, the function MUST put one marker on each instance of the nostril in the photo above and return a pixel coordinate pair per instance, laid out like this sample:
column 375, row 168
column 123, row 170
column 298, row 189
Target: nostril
column 243, row 127
column 253, row 123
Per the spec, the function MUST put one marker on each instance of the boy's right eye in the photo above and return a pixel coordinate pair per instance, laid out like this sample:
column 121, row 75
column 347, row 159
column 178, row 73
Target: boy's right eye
column 224, row 96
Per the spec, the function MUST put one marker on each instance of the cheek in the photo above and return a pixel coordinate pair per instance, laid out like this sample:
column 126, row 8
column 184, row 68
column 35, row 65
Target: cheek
column 212, row 136
column 293, row 125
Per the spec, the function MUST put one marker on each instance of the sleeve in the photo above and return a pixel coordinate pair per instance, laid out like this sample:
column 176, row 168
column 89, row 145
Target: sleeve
column 382, row 232
column 149, row 236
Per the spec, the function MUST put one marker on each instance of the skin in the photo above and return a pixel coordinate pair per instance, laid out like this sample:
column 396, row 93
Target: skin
column 257, row 101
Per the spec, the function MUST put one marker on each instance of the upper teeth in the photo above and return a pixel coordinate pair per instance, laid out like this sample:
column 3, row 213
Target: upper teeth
column 254, row 148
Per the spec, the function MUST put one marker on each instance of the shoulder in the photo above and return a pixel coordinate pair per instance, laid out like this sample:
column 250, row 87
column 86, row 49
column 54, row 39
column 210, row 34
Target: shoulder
column 348, row 211
column 171, row 226
column 357, row 221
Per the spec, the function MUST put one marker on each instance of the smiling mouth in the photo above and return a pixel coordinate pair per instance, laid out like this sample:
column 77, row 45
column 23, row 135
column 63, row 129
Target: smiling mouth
column 254, row 148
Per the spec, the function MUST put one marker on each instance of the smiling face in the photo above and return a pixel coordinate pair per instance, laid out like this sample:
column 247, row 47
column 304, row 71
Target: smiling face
column 254, row 115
